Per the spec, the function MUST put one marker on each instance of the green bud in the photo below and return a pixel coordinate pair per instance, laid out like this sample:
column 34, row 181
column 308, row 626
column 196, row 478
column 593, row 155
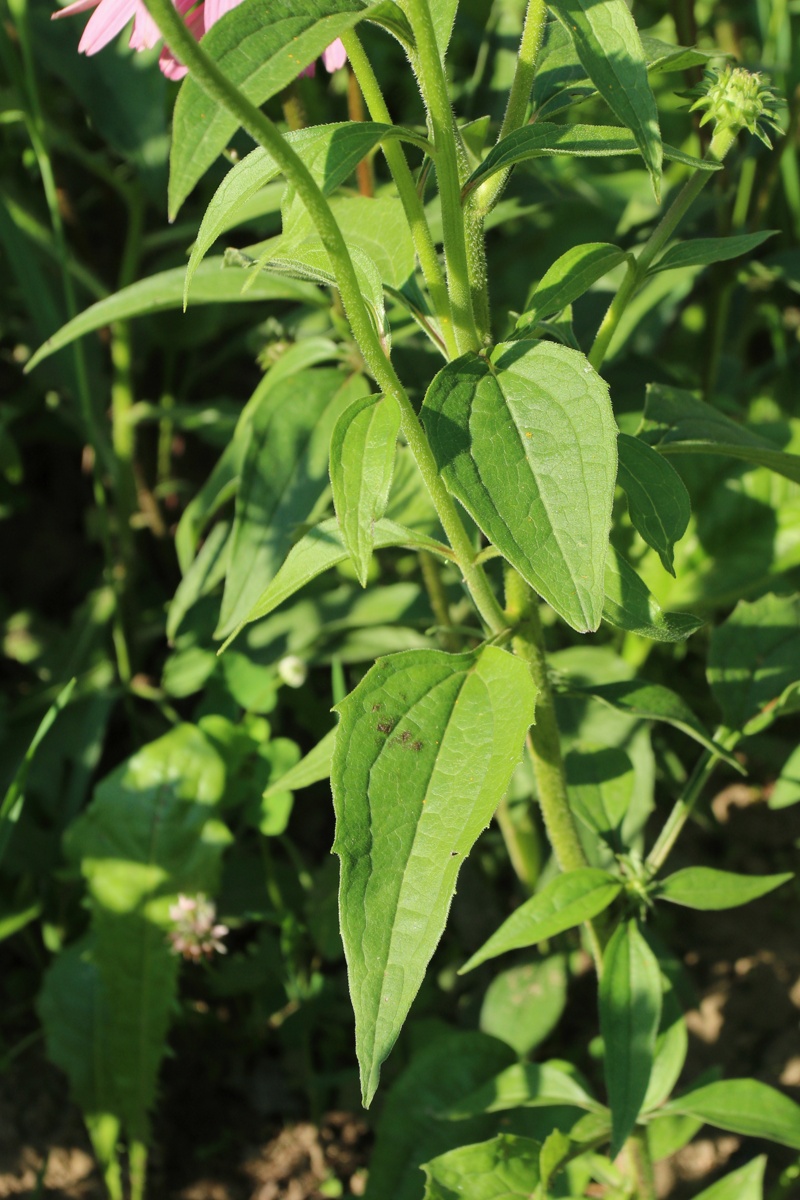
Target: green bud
column 737, row 99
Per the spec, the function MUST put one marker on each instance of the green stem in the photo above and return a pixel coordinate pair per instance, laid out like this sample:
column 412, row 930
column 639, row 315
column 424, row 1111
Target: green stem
column 638, row 268
column 684, row 807
column 406, row 188
column 137, row 1167
column 432, row 578
column 219, row 88
column 641, row 1165
column 434, row 90
column 525, row 71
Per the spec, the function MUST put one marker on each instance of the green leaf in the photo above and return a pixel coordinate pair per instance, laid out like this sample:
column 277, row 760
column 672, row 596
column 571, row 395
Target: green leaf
column 526, row 441
column 526, row 1085
column 701, row 252
column 260, row 53
column 654, row 702
column 505, row 1168
column 745, row 1184
column 443, row 13
column 425, row 749
column 630, row 605
column 743, row 1106
column 205, row 573
column 672, row 1044
column 556, row 1151
column 608, row 45
column 658, row 501
column 754, row 660
column 708, row 890
column 362, row 462
column 158, row 293
column 675, row 422
column 312, row 768
column 566, row 901
column 284, row 474
column 523, row 1005
column 568, row 278
column 543, row 139
column 600, row 781
column 630, row 1010
column 787, row 785
column 322, row 548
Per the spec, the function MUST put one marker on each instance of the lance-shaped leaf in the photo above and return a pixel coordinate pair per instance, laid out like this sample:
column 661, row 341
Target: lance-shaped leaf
column 569, row 277
column 676, row 422
column 745, row 1184
column 362, row 462
column 701, row 252
column 630, row 605
column 743, row 1106
column 313, row 767
column 505, row 1168
column 526, row 1085
column 526, row 440
column 787, row 786
column 600, row 781
column 709, row 890
column 658, row 501
column 425, row 750
column 610, row 49
column 630, row 1011
column 565, row 902
column 260, row 52
column 755, row 660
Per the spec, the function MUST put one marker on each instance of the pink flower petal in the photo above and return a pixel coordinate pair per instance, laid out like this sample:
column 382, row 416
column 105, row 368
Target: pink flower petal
column 109, row 19
column 195, row 23
column 145, row 31
column 309, row 72
column 335, row 56
column 217, row 8
column 71, row 10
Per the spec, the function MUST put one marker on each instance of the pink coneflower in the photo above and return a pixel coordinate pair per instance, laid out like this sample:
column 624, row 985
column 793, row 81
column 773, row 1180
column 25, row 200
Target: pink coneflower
column 111, row 16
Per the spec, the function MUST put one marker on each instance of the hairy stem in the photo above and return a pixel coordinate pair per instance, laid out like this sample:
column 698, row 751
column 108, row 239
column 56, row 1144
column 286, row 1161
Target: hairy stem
column 641, row 1165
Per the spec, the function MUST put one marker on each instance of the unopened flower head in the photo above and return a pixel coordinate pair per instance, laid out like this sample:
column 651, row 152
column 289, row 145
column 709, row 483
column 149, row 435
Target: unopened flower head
column 737, row 99
column 196, row 933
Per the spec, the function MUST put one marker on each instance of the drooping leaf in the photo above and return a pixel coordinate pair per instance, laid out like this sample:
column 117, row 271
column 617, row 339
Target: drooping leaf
column 743, row 1106
column 523, row 1004
column 676, row 422
column 544, row 139
column 526, row 1085
column 424, row 752
column 322, row 548
column 261, row 53
column 563, row 903
column 284, row 474
column 701, row 252
column 630, row 605
column 754, row 661
column 745, row 1184
column 313, row 767
column 600, row 781
column 630, row 1010
column 708, row 890
column 526, row 441
column 568, row 278
column 158, row 293
column 787, row 785
column 505, row 1168
column 658, row 501
column 362, row 462
column 610, row 50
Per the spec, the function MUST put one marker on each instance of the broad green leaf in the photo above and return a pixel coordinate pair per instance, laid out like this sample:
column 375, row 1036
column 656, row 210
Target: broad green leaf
column 453, row 1064
column 701, row 252
column 313, row 767
column 654, row 702
column 505, row 1168
column 14, row 798
column 322, row 548
column 331, row 152
column 630, row 1011
column 284, row 474
column 675, row 422
column 526, row 1085
column 568, row 278
column 666, row 1135
column 158, row 293
column 149, row 834
column 754, row 659
column 544, row 139
column 787, row 785
column 556, row 1150
column 745, row 1184
column 707, row 889
column 363, row 448
column 523, row 1005
column 261, row 53
column 658, row 501
column 600, row 781
column 610, row 50
column 205, row 573
column 630, row 605
column 664, row 56
column 672, row 1044
column 526, row 441
column 566, row 901
column 425, row 749
column 743, row 1106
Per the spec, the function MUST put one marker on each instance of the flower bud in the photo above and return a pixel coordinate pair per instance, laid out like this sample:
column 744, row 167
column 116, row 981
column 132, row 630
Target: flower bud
column 737, row 99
